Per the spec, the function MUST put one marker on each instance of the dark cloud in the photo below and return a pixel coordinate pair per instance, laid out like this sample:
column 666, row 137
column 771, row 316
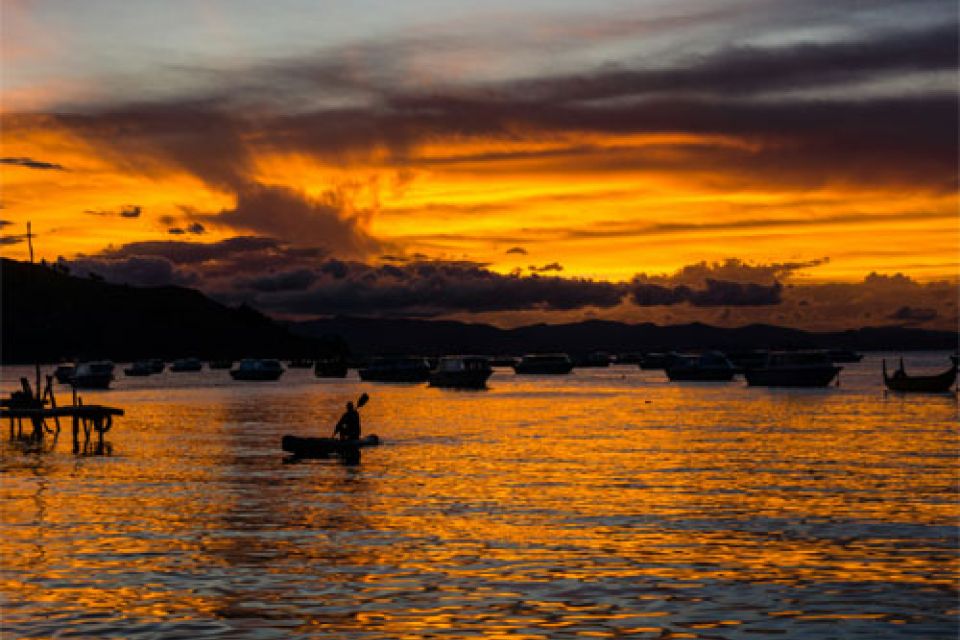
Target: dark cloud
column 913, row 314
column 147, row 271
column 553, row 266
column 179, row 252
column 30, row 163
column 5, row 223
column 9, row 240
column 716, row 293
column 298, row 280
column 131, row 211
column 176, row 231
column 517, row 250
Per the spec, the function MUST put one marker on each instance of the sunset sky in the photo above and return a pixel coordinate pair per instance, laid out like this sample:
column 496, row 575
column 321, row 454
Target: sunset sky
column 725, row 161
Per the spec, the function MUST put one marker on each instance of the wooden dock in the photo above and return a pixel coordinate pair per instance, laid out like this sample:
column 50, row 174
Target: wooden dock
column 88, row 418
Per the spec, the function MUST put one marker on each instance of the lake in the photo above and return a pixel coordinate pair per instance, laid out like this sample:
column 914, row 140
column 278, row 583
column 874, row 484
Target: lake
column 607, row 503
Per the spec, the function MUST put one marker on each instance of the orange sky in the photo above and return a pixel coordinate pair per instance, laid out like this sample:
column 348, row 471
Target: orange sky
column 628, row 156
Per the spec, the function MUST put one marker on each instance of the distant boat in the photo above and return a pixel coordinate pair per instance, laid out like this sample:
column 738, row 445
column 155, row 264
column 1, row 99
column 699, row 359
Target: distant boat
column 253, row 369
column 595, row 359
column 330, row 368
column 544, row 363
column 844, row 355
column 220, row 364
column 654, row 360
column 709, row 366
column 938, row 383
column 64, row 372
column 186, row 364
column 399, row 369
column 93, row 375
column 139, row 368
column 461, row 372
column 793, row 369
column 300, row 363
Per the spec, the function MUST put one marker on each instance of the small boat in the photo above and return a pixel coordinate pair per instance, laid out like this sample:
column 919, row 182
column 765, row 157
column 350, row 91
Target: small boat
column 93, row 375
column 595, row 359
column 326, row 447
column 330, row 368
column 64, row 372
column 793, row 369
column 654, row 360
column 220, row 364
column 938, row 383
column 254, row 369
column 709, row 366
column 300, row 363
column 461, row 372
column 400, row 369
column 186, row 364
column 544, row 363
column 139, row 368
column 844, row 355
column 743, row 360
column 156, row 365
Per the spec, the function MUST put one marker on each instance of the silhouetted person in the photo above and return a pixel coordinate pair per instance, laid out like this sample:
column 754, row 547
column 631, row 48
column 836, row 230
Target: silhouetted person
column 348, row 427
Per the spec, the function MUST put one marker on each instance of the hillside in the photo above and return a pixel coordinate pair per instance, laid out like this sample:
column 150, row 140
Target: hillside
column 48, row 315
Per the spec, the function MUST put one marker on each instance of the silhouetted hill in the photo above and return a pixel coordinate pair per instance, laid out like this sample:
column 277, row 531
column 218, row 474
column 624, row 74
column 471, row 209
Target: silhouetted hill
column 373, row 336
column 48, row 315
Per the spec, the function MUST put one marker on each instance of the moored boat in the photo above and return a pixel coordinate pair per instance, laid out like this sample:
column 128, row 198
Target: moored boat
column 937, row 383
column 139, row 368
column 461, row 372
column 654, row 360
column 594, row 359
column 186, row 364
column 793, row 369
column 64, row 372
column 544, row 363
column 709, row 366
column 396, row 369
column 96, row 374
column 257, row 369
column 844, row 355
column 330, row 368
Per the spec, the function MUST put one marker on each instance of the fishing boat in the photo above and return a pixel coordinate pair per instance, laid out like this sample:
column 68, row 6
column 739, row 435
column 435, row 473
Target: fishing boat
column 709, row 366
column 186, row 364
column 548, row 363
column 93, row 375
column 330, row 368
column 793, row 369
column 396, row 369
column 461, row 372
column 139, row 368
column 64, row 372
column 326, row 447
column 257, row 369
column 937, row 383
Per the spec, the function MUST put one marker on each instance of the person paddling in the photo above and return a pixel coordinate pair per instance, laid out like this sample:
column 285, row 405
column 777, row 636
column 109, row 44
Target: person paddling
column 348, row 427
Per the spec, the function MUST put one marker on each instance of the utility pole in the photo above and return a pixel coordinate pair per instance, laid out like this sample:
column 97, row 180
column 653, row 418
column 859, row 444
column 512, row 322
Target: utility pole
column 30, row 242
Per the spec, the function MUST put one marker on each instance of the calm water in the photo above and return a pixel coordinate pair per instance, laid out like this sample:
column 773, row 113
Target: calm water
column 608, row 503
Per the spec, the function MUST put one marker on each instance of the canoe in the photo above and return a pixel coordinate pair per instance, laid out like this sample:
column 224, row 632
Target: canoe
column 325, row 447
column 900, row 381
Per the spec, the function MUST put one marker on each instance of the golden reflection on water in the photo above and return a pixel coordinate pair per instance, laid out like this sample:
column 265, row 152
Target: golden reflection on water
column 604, row 504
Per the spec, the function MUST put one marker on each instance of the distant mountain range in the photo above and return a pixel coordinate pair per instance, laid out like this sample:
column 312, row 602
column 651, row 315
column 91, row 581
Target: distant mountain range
column 432, row 337
column 48, row 315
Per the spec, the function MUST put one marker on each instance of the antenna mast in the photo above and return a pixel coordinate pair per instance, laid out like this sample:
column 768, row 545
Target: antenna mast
column 30, row 242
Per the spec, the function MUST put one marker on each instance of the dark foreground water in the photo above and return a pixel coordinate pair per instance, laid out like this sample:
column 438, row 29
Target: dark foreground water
column 608, row 503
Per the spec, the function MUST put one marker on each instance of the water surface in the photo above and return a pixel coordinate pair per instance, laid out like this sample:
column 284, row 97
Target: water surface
column 607, row 503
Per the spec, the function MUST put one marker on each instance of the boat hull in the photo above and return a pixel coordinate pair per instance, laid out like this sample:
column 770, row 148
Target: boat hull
column 325, row 447
column 460, row 379
column 791, row 377
column 940, row 383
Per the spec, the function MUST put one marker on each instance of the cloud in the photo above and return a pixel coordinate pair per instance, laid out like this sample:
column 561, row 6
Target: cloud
column 516, row 250
column 11, row 240
column 5, row 223
column 30, row 163
column 913, row 314
column 135, row 270
column 553, row 266
column 127, row 211
column 715, row 293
